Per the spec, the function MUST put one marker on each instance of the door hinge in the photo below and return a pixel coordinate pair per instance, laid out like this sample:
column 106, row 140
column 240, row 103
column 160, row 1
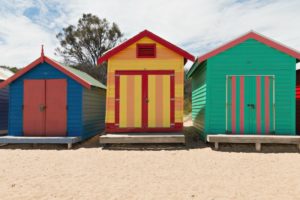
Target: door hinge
column 172, row 99
column 23, row 107
column 117, row 99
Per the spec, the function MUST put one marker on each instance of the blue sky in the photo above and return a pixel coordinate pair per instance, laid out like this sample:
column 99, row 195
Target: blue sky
column 195, row 25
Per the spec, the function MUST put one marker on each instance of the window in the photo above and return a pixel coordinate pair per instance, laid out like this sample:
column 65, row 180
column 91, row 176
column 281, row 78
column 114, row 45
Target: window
column 145, row 50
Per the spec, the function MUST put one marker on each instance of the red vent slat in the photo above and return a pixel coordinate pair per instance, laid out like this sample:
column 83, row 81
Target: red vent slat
column 146, row 51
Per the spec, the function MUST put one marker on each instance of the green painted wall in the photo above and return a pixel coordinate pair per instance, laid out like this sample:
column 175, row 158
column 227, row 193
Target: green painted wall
column 199, row 97
column 248, row 58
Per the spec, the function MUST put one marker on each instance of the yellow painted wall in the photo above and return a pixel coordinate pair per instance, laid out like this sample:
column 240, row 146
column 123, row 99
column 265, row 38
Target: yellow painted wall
column 166, row 59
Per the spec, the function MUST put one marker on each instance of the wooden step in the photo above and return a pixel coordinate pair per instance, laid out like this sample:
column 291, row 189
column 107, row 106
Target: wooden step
column 255, row 139
column 125, row 138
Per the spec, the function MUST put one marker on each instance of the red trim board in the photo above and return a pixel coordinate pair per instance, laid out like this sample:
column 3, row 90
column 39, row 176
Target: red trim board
column 50, row 62
column 110, row 128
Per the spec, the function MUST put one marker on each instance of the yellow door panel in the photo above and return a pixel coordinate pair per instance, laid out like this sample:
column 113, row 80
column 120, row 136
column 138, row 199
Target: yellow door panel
column 130, row 113
column 159, row 101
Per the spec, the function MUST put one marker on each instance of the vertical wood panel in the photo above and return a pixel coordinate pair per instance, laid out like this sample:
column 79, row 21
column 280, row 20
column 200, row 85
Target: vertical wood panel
column 152, row 101
column 138, row 101
column 33, row 108
column 258, row 104
column 123, row 102
column 166, row 100
column 56, row 107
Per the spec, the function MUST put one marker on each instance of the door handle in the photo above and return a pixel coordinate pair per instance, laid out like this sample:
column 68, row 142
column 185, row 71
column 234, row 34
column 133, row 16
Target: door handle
column 251, row 105
column 147, row 100
column 42, row 108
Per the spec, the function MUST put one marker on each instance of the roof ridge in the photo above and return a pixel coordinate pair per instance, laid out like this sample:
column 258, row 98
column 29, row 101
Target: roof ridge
column 254, row 35
column 137, row 37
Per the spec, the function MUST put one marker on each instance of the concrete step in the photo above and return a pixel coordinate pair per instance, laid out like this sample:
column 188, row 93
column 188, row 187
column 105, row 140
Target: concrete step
column 39, row 140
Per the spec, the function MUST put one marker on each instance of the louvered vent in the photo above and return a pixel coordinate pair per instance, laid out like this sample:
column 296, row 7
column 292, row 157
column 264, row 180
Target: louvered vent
column 146, row 50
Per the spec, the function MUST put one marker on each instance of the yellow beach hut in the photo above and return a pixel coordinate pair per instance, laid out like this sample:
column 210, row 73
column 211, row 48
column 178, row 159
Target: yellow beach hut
column 145, row 84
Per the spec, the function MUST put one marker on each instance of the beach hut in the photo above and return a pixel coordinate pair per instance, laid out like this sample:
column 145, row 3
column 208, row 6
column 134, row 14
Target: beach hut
column 52, row 103
column 4, row 74
column 245, row 87
column 145, row 85
column 298, row 102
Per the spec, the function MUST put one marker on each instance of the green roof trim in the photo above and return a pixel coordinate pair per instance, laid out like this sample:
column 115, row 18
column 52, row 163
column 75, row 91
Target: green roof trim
column 192, row 69
column 84, row 76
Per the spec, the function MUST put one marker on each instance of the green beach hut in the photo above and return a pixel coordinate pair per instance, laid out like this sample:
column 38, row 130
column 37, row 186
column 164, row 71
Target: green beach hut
column 246, row 86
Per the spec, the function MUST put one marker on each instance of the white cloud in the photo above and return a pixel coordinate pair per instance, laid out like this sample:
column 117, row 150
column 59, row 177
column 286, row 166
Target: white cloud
column 195, row 25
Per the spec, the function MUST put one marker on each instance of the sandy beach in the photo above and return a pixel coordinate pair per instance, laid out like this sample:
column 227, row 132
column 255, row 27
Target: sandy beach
column 149, row 172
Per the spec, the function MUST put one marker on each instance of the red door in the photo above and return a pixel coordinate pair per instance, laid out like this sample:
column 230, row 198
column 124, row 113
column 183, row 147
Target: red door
column 56, row 110
column 45, row 111
column 33, row 108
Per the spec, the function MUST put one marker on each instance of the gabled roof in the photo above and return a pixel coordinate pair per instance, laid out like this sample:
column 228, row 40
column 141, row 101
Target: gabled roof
column 139, row 36
column 5, row 73
column 79, row 76
column 251, row 35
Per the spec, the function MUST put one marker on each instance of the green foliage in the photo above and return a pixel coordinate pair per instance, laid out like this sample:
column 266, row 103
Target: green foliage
column 81, row 45
column 187, row 106
column 13, row 69
column 187, row 95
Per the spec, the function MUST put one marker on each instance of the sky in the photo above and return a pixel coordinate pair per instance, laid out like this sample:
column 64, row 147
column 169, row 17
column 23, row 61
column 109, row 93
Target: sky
column 194, row 25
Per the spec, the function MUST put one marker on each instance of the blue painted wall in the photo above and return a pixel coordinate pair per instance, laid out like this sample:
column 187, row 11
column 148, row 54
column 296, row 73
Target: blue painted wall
column 74, row 100
column 4, row 109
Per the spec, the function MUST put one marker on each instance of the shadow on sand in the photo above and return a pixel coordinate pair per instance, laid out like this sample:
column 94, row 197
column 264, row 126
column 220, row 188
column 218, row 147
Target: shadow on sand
column 192, row 141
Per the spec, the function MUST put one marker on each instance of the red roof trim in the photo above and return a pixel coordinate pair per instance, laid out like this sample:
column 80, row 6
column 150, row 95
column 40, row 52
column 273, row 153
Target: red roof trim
column 251, row 35
column 139, row 36
column 52, row 63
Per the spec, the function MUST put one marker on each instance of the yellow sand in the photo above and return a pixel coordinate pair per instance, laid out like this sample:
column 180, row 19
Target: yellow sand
column 149, row 172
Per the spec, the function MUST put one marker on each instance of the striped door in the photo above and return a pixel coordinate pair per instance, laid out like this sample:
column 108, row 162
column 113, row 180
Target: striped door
column 130, row 101
column 144, row 100
column 250, row 105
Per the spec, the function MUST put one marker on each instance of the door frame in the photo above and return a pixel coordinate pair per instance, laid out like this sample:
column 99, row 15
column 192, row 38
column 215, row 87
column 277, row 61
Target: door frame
column 227, row 105
column 175, row 127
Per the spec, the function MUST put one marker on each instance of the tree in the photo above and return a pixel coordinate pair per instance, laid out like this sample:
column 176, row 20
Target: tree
column 13, row 69
column 81, row 45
